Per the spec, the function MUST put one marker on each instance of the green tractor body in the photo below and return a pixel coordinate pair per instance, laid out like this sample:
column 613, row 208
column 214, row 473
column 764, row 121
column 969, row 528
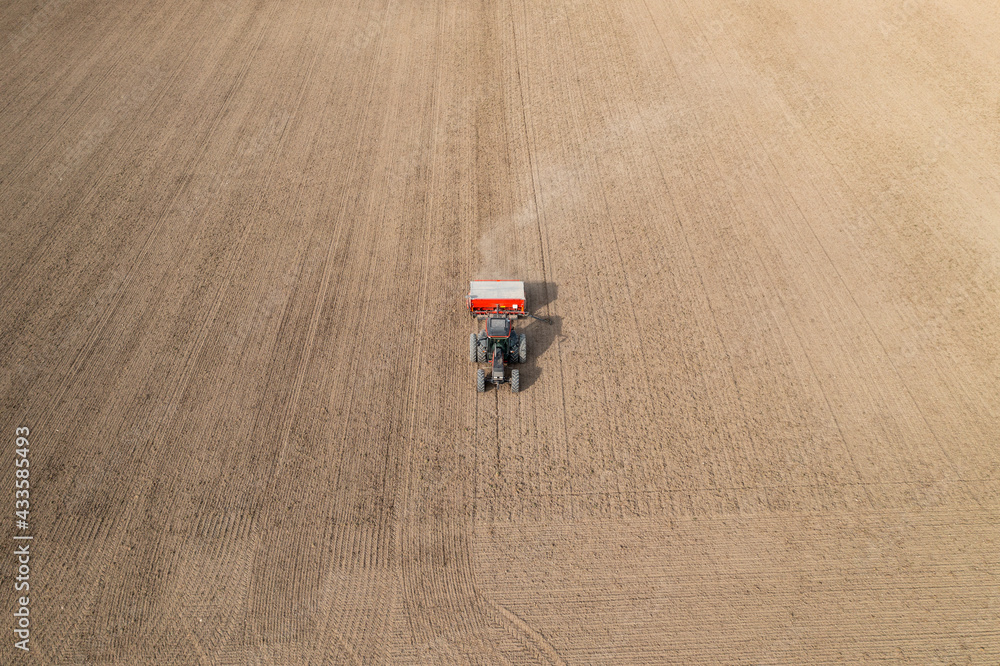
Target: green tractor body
column 498, row 344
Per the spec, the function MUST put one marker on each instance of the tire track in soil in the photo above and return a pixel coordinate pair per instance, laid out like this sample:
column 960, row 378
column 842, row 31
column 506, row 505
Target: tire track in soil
column 363, row 552
column 119, row 292
column 222, row 636
column 110, row 65
column 596, row 220
column 435, row 590
column 777, row 285
column 446, row 613
column 91, row 145
column 660, row 245
column 15, row 292
column 124, row 523
column 839, row 274
column 628, row 345
column 535, row 209
column 732, row 376
column 755, row 140
column 548, row 273
column 271, row 578
column 102, row 327
column 741, row 394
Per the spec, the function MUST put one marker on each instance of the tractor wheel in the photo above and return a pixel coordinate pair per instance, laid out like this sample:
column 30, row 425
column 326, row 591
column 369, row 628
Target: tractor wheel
column 522, row 350
column 515, row 381
column 481, row 352
column 480, row 380
column 473, row 344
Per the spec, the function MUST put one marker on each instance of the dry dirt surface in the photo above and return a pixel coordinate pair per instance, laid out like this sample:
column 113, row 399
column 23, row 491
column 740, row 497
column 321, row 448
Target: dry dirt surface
column 763, row 426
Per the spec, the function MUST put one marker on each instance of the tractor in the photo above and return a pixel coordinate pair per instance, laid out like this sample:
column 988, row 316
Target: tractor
column 498, row 303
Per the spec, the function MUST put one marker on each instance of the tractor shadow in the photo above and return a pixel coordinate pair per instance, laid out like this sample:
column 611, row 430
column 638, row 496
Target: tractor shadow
column 541, row 335
column 540, row 294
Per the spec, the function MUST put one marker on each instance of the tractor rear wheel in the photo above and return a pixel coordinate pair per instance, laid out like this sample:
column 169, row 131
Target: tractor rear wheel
column 481, row 352
column 473, row 344
column 480, row 380
column 522, row 350
column 515, row 381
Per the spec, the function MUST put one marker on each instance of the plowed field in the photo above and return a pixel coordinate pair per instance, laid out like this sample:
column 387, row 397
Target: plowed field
column 762, row 427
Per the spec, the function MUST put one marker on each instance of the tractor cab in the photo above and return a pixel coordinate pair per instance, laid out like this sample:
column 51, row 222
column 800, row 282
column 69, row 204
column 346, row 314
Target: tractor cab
column 498, row 327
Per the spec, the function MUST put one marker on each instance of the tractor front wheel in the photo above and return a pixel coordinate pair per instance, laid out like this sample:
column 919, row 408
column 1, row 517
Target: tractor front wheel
column 515, row 381
column 480, row 380
column 473, row 345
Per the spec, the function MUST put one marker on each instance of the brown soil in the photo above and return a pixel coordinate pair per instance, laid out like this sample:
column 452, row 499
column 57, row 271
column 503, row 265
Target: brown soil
column 235, row 239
